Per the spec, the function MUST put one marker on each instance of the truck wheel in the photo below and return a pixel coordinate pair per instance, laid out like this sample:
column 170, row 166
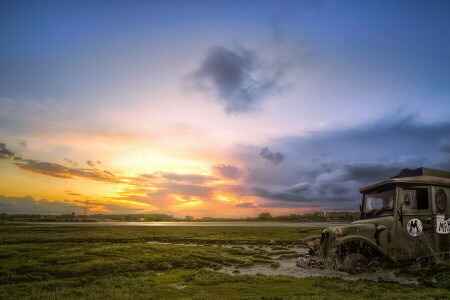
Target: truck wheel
column 355, row 263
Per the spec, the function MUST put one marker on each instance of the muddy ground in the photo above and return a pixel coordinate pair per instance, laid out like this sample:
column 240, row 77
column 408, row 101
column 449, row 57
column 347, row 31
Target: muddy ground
column 285, row 263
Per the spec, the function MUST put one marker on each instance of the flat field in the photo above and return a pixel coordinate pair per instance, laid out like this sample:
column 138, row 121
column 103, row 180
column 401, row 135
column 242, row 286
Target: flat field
column 118, row 262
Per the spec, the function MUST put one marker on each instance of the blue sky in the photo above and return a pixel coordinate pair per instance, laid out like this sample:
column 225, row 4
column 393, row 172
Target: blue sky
column 202, row 87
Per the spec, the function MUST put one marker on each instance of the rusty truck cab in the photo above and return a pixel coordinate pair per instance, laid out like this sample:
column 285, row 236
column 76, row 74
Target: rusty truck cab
column 403, row 218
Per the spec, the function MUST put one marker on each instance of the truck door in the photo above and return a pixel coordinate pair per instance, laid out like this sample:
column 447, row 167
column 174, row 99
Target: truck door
column 441, row 223
column 415, row 229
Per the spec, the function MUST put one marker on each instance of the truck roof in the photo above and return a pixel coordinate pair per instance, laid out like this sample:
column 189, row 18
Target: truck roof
column 416, row 176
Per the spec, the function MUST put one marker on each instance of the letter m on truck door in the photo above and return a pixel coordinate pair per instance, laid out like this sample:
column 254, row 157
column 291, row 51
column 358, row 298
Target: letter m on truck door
column 415, row 223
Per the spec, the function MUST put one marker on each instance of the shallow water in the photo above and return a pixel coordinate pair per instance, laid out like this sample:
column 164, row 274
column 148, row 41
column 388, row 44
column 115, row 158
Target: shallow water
column 289, row 267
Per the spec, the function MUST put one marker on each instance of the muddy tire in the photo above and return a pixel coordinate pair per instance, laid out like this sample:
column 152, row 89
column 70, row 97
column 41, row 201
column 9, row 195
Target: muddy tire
column 355, row 263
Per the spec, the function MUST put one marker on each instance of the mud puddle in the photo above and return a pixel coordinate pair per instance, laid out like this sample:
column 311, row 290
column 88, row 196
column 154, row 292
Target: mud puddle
column 288, row 266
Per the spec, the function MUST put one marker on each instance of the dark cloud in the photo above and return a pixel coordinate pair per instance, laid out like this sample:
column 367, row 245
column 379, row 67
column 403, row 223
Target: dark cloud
column 61, row 171
column 273, row 157
column 290, row 204
column 228, row 171
column 90, row 163
column 337, row 186
column 367, row 172
column 5, row 153
column 230, row 76
column 384, row 139
column 29, row 205
column 283, row 194
column 327, row 168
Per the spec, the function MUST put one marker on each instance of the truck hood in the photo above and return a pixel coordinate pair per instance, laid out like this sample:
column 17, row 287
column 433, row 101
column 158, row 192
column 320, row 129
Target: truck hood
column 354, row 229
column 362, row 227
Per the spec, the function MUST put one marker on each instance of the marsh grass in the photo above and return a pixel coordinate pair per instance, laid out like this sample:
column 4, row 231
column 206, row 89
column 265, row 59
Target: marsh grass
column 119, row 263
column 124, row 234
column 202, row 284
column 82, row 259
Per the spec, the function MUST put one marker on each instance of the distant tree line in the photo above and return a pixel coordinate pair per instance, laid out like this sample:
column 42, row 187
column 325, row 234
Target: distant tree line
column 313, row 217
column 267, row 217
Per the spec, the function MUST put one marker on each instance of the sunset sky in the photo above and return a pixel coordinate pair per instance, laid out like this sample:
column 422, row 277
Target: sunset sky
column 217, row 108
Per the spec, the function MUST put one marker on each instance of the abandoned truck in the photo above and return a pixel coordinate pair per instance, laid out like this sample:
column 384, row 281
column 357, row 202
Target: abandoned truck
column 403, row 218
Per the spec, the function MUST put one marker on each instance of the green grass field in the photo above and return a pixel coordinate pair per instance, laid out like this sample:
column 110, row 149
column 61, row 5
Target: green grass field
column 116, row 262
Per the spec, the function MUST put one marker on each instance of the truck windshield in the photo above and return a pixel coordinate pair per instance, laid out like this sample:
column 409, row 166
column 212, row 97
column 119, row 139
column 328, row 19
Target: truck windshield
column 377, row 203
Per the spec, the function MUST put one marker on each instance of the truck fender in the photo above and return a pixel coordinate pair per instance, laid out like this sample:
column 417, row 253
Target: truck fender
column 312, row 242
column 344, row 240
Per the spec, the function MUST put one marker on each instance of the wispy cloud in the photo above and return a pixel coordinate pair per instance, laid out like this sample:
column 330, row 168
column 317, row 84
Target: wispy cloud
column 54, row 169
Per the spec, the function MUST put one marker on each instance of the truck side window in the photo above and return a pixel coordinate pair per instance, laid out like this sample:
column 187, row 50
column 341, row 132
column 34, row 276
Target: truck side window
column 419, row 198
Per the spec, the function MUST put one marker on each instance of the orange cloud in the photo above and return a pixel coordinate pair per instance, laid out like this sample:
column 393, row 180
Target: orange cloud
column 60, row 171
